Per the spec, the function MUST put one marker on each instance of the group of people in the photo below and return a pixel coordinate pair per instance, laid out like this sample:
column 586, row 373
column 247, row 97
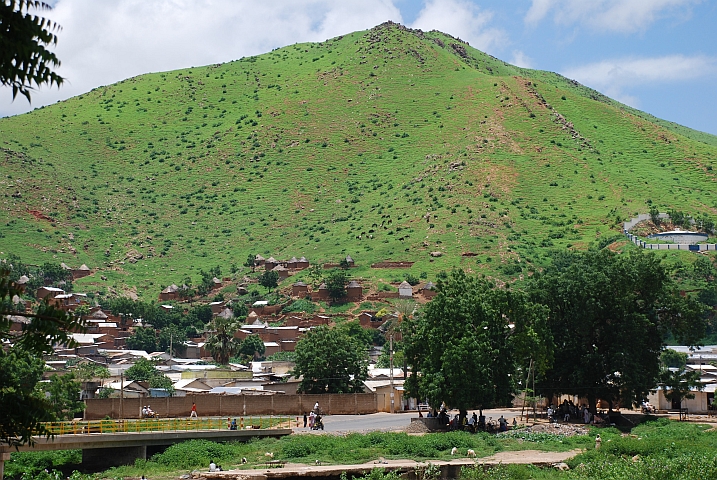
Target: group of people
column 647, row 407
column 231, row 424
column 213, row 467
column 568, row 410
column 313, row 418
column 147, row 412
column 472, row 422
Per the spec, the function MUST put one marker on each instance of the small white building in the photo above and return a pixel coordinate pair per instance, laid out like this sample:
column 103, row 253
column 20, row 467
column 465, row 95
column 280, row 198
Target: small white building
column 405, row 290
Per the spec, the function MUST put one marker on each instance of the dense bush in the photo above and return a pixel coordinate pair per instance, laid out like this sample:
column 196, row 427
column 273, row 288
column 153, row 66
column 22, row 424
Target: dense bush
column 32, row 464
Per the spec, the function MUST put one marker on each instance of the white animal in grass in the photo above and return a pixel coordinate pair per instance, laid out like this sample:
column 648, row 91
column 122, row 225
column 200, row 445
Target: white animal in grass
column 454, row 450
column 471, row 453
column 269, row 455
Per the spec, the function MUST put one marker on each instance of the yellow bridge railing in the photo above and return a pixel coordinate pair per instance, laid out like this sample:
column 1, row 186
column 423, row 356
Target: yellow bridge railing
column 163, row 425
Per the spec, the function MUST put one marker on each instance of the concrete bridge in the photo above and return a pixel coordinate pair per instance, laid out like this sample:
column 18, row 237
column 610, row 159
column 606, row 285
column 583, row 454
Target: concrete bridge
column 121, row 442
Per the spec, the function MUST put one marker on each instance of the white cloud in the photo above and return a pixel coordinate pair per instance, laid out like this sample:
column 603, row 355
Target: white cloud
column 613, row 15
column 462, row 19
column 104, row 42
column 520, row 59
column 612, row 77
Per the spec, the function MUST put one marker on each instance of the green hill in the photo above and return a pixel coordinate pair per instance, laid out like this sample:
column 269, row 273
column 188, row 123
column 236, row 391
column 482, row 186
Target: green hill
column 386, row 144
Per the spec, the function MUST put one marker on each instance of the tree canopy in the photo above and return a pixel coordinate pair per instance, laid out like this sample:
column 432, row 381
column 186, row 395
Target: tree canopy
column 269, row 279
column 145, row 371
column 463, row 344
column 251, row 346
column 221, row 342
column 21, row 364
column 24, row 60
column 63, row 393
column 336, row 281
column 143, row 338
column 330, row 361
column 609, row 317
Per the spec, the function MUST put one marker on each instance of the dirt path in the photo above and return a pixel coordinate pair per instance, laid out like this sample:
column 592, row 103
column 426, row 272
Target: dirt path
column 291, row 470
column 529, row 456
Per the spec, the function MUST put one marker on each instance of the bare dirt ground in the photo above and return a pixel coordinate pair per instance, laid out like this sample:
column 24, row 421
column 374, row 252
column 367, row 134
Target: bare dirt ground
column 293, row 470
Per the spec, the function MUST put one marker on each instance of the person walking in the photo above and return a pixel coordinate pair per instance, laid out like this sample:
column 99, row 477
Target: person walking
column 305, row 419
column 193, row 413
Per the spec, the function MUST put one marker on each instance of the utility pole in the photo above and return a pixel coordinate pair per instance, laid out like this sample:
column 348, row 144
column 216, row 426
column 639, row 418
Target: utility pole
column 170, row 347
column 390, row 356
column 122, row 394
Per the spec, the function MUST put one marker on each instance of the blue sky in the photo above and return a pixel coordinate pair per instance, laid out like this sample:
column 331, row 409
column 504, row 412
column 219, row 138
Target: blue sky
column 657, row 55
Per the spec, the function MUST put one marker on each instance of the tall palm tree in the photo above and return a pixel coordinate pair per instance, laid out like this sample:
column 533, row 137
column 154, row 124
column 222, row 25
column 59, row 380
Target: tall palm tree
column 221, row 342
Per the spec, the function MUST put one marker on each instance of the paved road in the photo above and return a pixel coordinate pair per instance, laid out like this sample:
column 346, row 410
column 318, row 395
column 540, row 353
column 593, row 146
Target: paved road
column 392, row 422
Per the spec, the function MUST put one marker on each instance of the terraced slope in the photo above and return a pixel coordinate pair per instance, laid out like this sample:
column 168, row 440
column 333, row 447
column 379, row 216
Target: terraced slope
column 385, row 144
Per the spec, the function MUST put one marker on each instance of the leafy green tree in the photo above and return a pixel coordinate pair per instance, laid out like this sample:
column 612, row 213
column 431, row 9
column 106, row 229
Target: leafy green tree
column 609, row 317
column 173, row 336
column 251, row 347
column 655, row 215
column 21, row 364
column 88, row 371
column 63, row 393
column 250, row 261
column 221, row 342
column 464, row 347
column 330, row 362
column 399, row 358
column 145, row 371
column 24, row 60
column 24, row 407
column 143, row 338
column 354, row 330
column 269, row 279
column 336, row 281
column 187, row 291
column 282, row 357
column 205, row 284
column 199, row 315
column 673, row 359
column 240, row 310
column 316, row 275
column 678, row 384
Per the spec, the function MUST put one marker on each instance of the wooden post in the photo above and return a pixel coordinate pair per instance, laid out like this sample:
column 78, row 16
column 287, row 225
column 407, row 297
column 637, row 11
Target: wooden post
column 4, row 456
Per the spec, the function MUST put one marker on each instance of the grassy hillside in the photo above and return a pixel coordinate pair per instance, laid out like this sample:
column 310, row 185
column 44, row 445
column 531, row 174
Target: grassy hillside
column 386, row 144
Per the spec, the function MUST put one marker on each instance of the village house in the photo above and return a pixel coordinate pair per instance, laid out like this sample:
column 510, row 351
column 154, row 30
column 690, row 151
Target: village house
column 405, row 290
column 43, row 292
column 299, row 290
column 169, row 293
column 128, row 388
column 69, row 301
column 216, row 307
column 81, row 272
column 270, row 263
column 370, row 320
column 302, row 263
column 354, row 291
column 282, row 271
column 428, row 290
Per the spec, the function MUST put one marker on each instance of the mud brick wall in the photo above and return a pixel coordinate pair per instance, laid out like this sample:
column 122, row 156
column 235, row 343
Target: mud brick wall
column 233, row 405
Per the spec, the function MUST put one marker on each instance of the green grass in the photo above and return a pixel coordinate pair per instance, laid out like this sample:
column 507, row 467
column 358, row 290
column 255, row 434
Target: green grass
column 334, row 148
column 665, row 450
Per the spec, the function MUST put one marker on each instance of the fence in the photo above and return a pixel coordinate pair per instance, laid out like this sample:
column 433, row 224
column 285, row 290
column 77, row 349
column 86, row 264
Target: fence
column 162, row 425
column 210, row 405
column 700, row 247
